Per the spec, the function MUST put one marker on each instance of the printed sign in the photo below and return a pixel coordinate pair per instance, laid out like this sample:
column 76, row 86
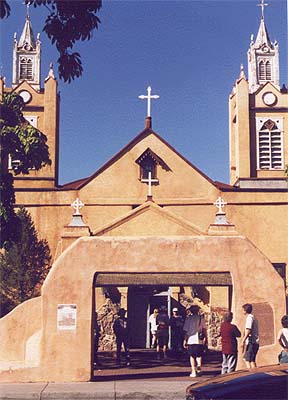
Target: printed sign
column 66, row 316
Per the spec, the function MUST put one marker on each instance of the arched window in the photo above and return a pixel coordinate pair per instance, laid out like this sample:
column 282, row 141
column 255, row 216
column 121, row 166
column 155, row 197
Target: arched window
column 268, row 71
column 265, row 71
column 269, row 145
column 262, row 71
column 26, row 68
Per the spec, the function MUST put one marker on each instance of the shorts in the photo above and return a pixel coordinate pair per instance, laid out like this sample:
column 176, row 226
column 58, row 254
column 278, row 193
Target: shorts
column 195, row 350
column 251, row 352
column 162, row 337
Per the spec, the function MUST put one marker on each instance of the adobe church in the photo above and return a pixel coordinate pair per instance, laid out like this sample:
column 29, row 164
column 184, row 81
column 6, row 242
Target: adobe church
column 162, row 233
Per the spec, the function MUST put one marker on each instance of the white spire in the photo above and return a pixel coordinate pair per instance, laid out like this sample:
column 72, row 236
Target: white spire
column 50, row 73
column 242, row 73
column 263, row 57
column 27, row 39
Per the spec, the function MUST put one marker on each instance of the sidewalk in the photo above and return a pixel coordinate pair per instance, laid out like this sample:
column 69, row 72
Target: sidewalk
column 113, row 390
column 132, row 389
column 165, row 381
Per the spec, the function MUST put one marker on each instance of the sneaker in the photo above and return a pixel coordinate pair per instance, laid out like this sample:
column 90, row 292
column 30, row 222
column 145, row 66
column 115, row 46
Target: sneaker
column 193, row 374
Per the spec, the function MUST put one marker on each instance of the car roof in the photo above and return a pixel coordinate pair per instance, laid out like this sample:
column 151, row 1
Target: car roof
column 247, row 374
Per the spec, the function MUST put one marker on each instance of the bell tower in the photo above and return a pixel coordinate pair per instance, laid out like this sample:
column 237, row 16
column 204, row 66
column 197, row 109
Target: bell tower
column 263, row 58
column 27, row 57
column 41, row 104
column 258, row 118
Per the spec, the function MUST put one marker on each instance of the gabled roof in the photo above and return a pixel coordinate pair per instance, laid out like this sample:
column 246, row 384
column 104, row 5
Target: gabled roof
column 146, row 132
column 261, row 87
column 148, row 207
column 24, row 83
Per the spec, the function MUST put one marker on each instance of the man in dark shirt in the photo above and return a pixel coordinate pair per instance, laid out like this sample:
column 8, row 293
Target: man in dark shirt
column 120, row 328
column 162, row 321
column 229, row 334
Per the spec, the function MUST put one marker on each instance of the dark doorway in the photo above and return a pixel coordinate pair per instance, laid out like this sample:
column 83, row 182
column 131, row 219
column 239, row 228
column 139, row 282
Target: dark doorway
column 141, row 302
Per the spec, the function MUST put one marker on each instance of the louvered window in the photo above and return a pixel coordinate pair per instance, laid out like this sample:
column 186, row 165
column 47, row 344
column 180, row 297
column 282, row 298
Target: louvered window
column 262, row 70
column 265, row 71
column 26, row 68
column 268, row 71
column 270, row 145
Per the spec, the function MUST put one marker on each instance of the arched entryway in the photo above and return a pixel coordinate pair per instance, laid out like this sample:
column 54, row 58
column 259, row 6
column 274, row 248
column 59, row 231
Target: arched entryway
column 65, row 354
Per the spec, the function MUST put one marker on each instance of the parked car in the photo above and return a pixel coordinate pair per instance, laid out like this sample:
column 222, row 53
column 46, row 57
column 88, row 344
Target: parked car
column 269, row 382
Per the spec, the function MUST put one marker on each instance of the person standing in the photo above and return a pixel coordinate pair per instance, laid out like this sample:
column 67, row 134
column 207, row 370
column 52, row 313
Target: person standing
column 162, row 321
column 250, row 341
column 176, row 323
column 193, row 325
column 120, row 328
column 282, row 339
column 229, row 333
column 153, row 327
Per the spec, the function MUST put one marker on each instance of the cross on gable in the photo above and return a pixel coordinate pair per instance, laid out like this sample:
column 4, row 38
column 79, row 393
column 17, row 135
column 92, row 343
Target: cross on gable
column 149, row 181
column 77, row 205
column 219, row 203
column 149, row 97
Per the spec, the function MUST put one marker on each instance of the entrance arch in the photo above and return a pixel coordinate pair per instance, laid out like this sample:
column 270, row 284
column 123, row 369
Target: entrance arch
column 65, row 354
column 142, row 292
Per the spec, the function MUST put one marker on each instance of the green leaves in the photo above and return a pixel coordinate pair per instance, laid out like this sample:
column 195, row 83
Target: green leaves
column 70, row 66
column 24, row 265
column 67, row 23
column 25, row 144
column 4, row 9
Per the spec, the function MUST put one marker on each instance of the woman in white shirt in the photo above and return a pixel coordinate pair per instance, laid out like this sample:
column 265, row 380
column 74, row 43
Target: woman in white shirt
column 153, row 327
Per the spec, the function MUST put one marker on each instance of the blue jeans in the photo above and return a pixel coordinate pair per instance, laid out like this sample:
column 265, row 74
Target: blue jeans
column 229, row 363
column 283, row 357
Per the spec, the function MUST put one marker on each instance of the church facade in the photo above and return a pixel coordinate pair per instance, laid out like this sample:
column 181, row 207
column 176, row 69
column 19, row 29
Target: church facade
column 171, row 232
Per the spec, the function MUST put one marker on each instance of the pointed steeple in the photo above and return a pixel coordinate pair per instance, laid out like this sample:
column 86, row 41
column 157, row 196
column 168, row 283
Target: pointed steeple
column 27, row 39
column 262, row 36
column 27, row 56
column 263, row 58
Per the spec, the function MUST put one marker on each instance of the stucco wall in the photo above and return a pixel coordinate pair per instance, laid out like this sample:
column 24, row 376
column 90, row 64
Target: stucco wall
column 66, row 355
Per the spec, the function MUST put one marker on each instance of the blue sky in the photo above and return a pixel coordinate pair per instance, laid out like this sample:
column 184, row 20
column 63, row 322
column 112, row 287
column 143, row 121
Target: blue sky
column 188, row 51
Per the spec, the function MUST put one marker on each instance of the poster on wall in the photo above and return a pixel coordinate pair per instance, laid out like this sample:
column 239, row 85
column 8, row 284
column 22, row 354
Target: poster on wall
column 66, row 317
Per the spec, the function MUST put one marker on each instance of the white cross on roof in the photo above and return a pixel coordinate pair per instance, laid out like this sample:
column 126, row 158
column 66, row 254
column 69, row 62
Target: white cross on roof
column 149, row 181
column 148, row 97
column 219, row 203
column 77, row 205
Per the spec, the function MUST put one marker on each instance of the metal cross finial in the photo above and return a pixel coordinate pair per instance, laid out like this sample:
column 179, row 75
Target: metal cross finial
column 149, row 181
column 148, row 97
column 28, row 3
column 219, row 203
column 77, row 205
column 262, row 5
